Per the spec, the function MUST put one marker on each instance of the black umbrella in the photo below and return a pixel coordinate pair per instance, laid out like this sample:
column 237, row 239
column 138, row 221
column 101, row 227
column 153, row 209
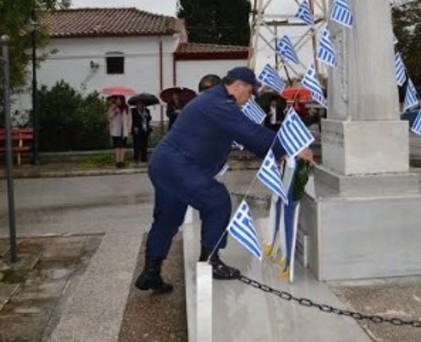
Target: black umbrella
column 147, row 99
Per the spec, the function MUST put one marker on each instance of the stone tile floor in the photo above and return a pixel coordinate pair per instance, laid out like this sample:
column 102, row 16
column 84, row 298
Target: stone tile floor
column 32, row 290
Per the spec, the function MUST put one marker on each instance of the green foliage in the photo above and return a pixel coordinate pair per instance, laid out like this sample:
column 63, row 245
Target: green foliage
column 302, row 174
column 68, row 121
column 13, row 17
column 217, row 22
column 156, row 135
column 100, row 160
column 407, row 28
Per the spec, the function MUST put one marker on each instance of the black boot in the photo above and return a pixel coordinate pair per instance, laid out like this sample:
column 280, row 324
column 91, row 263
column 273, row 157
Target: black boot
column 219, row 269
column 150, row 278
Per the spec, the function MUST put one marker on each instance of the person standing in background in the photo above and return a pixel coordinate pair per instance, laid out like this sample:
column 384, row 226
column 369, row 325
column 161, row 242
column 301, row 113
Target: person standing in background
column 120, row 124
column 141, row 128
column 174, row 109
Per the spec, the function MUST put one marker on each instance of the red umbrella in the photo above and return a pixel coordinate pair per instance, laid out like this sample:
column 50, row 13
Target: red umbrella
column 185, row 94
column 118, row 90
column 299, row 93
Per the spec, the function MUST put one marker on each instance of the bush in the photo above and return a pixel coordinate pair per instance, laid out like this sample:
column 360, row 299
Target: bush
column 68, row 121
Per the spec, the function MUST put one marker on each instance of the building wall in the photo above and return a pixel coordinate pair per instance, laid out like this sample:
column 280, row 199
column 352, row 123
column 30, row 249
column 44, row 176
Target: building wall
column 190, row 72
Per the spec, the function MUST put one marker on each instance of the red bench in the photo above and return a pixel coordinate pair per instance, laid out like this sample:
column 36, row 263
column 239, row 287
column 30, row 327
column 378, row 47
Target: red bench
column 21, row 141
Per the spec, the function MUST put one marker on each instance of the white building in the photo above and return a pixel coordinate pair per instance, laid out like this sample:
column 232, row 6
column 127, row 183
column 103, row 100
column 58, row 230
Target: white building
column 99, row 47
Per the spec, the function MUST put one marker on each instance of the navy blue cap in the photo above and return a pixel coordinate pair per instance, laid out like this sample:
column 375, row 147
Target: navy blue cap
column 246, row 75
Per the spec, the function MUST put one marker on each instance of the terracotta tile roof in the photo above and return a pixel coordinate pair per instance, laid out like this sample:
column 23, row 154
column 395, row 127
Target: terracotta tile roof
column 107, row 22
column 189, row 51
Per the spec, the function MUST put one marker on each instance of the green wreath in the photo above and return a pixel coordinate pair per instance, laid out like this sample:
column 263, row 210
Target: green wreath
column 302, row 175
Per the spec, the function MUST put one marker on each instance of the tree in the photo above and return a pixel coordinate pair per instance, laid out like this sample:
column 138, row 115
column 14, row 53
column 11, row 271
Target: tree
column 406, row 17
column 217, row 22
column 14, row 15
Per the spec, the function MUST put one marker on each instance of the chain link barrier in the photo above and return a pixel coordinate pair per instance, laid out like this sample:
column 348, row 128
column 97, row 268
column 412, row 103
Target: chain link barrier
column 327, row 308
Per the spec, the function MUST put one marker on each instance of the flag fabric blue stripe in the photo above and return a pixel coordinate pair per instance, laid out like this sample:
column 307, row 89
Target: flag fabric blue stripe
column 253, row 111
column 310, row 82
column 270, row 176
column 416, row 126
column 242, row 229
column 305, row 14
column 285, row 48
column 326, row 52
column 341, row 13
column 271, row 78
column 411, row 96
column 293, row 134
column 400, row 69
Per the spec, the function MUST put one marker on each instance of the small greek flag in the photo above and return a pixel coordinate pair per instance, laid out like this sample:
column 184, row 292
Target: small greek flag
column 310, row 82
column 326, row 52
column 341, row 13
column 293, row 134
column 400, row 69
column 416, row 126
column 305, row 14
column 270, row 77
column 411, row 96
column 285, row 48
column 242, row 229
column 253, row 111
column 270, row 176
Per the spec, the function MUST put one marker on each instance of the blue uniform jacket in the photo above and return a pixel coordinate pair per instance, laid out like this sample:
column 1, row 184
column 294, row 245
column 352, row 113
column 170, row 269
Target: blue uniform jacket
column 208, row 125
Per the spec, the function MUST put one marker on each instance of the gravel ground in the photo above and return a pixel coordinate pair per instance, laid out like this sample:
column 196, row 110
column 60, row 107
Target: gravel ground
column 158, row 318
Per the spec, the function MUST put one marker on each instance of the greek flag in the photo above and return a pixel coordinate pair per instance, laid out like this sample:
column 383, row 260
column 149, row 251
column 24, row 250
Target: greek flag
column 400, row 69
column 411, row 96
column 416, row 126
column 326, row 52
column 305, row 14
column 285, row 48
column 270, row 176
column 253, row 111
column 270, row 77
column 242, row 229
column 293, row 134
column 310, row 82
column 341, row 13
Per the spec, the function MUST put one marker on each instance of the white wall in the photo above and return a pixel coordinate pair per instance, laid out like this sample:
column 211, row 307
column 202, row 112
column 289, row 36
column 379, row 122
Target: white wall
column 189, row 73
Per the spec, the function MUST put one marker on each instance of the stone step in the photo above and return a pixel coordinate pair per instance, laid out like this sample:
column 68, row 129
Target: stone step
column 243, row 313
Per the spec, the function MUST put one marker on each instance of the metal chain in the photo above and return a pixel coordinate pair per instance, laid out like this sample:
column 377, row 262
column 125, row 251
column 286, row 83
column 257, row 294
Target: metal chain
column 327, row 308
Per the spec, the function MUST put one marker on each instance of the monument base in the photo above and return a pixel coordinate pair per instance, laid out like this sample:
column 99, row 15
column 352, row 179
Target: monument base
column 356, row 237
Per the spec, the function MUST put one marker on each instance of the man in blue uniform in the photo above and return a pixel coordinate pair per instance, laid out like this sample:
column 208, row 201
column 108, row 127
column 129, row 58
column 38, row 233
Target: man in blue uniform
column 183, row 169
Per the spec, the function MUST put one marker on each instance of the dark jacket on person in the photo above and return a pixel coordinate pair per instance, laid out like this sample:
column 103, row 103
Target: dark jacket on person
column 209, row 124
column 141, row 120
column 173, row 110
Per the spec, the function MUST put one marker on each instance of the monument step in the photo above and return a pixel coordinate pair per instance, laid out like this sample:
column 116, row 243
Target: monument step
column 243, row 313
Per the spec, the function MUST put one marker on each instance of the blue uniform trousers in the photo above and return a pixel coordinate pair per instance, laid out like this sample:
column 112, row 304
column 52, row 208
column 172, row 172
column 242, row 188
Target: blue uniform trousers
column 179, row 182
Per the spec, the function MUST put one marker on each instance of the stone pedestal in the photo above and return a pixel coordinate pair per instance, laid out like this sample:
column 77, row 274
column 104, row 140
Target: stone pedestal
column 363, row 219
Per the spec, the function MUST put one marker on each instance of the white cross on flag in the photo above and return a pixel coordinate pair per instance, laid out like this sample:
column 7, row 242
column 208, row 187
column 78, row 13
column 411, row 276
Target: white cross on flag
column 242, row 229
column 411, row 96
column 271, row 78
column 293, row 134
column 270, row 176
column 304, row 13
column 253, row 111
column 326, row 52
column 285, row 48
column 341, row 13
column 310, row 82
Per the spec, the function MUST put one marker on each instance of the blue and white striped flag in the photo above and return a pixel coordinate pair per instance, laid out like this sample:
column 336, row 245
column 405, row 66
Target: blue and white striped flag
column 270, row 176
column 271, row 78
column 242, row 229
column 253, row 111
column 341, row 13
column 310, row 82
column 293, row 134
column 411, row 96
column 285, row 48
column 400, row 69
column 416, row 126
column 326, row 52
column 304, row 13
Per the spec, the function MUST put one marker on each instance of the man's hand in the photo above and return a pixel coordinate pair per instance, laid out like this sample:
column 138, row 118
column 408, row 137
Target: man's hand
column 307, row 154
